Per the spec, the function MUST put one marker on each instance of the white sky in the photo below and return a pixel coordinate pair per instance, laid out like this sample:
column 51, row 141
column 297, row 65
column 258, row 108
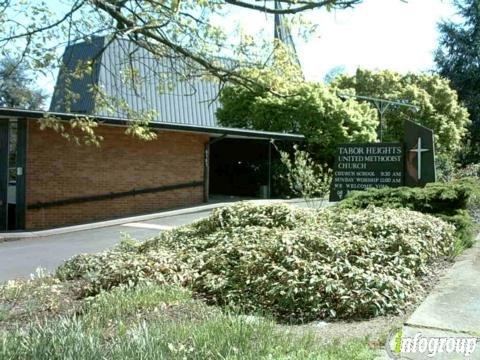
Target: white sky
column 377, row 34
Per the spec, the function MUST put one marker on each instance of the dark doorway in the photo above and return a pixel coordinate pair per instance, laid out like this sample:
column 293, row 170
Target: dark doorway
column 12, row 180
column 4, row 152
column 239, row 167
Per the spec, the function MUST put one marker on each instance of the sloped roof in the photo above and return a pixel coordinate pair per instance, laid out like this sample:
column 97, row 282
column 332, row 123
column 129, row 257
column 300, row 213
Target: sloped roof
column 73, row 55
column 160, row 86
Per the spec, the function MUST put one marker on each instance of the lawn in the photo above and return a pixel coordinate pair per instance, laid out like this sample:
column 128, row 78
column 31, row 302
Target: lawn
column 42, row 320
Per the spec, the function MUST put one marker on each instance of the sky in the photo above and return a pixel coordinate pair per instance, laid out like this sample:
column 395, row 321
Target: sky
column 377, row 34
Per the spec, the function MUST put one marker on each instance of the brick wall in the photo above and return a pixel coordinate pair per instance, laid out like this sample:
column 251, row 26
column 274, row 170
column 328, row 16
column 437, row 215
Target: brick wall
column 59, row 170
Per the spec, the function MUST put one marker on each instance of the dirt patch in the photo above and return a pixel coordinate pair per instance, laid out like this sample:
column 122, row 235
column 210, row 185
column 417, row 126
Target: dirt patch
column 24, row 300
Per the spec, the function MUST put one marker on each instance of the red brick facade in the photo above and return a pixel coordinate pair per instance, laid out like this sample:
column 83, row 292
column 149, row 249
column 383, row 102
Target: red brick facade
column 59, row 170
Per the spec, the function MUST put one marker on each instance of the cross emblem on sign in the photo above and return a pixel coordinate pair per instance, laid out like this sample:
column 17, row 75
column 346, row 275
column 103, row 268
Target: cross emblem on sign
column 419, row 152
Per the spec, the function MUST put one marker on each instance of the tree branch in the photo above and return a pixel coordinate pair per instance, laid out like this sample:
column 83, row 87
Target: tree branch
column 295, row 7
column 130, row 27
column 77, row 6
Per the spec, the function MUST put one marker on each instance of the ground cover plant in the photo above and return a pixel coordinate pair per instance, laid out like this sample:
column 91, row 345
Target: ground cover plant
column 456, row 202
column 153, row 322
column 279, row 263
column 294, row 264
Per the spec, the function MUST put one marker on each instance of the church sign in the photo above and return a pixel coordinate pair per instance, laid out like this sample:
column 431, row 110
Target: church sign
column 420, row 155
column 377, row 165
column 362, row 166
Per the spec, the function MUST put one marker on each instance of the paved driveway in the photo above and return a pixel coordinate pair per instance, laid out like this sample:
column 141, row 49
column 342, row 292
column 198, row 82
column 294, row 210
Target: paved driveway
column 20, row 258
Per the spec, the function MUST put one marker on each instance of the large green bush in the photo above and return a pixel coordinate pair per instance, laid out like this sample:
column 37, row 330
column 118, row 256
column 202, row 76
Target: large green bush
column 279, row 103
column 454, row 202
column 434, row 198
column 297, row 265
column 438, row 106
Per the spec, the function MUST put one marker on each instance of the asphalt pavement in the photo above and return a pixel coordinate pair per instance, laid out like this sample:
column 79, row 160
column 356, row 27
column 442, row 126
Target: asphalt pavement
column 20, row 258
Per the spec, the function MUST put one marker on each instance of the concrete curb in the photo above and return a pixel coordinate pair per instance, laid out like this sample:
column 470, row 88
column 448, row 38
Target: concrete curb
column 95, row 225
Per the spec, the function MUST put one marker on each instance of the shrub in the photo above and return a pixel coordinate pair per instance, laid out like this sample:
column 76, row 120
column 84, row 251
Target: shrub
column 305, row 177
column 470, row 170
column 448, row 170
column 454, row 202
column 434, row 198
column 118, row 266
column 295, row 264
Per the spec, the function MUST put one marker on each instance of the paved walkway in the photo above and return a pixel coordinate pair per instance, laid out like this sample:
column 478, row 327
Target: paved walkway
column 48, row 249
column 452, row 309
column 20, row 258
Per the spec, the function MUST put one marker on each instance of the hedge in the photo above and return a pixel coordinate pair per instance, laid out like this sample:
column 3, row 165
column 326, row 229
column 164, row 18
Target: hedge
column 454, row 202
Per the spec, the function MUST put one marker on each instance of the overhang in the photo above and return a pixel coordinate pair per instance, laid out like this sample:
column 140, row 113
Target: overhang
column 212, row 131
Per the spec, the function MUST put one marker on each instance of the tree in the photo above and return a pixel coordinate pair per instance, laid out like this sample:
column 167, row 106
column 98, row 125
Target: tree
column 306, row 178
column 181, row 32
column 17, row 89
column 333, row 73
column 458, row 59
column 285, row 104
column 167, row 29
column 438, row 106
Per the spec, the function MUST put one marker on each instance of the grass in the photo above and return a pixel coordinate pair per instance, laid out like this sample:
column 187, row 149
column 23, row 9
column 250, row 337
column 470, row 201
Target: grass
column 41, row 296
column 3, row 313
column 152, row 322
